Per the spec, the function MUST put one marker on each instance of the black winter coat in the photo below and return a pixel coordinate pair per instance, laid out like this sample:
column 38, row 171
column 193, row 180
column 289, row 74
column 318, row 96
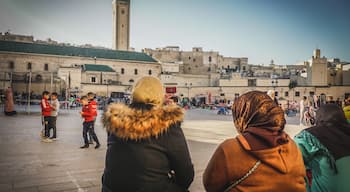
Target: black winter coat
column 147, row 150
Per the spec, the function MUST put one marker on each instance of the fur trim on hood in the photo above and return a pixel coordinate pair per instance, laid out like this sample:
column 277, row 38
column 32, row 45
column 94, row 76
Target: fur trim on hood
column 135, row 124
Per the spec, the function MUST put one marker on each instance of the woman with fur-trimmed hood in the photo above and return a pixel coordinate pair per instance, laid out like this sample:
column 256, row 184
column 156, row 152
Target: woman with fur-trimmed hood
column 147, row 150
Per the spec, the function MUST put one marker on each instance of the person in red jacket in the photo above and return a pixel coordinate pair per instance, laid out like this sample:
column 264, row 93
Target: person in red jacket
column 88, row 113
column 93, row 105
column 46, row 113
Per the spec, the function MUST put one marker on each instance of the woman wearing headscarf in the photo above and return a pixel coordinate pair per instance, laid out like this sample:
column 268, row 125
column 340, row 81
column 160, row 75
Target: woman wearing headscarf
column 262, row 157
column 147, row 150
column 326, row 151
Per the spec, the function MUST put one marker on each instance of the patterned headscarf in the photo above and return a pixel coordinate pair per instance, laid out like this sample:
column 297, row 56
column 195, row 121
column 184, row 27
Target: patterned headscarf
column 258, row 117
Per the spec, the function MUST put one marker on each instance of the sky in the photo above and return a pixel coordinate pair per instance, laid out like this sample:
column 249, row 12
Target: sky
column 286, row 31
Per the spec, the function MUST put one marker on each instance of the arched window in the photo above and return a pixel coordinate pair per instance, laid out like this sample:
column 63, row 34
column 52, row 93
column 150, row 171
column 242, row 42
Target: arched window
column 29, row 66
column 122, row 71
column 46, row 67
column 209, row 58
column 150, row 72
column 11, row 65
column 135, row 71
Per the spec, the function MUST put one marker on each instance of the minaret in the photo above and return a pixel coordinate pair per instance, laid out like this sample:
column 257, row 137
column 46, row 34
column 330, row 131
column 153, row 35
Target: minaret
column 121, row 24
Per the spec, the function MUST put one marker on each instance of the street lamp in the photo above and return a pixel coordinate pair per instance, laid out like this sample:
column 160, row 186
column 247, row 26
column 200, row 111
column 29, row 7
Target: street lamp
column 188, row 85
column 107, row 82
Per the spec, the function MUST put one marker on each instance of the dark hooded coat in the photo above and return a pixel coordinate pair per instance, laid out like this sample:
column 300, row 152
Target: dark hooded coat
column 147, row 150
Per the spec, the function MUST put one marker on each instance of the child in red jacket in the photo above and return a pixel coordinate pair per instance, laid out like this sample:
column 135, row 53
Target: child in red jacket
column 46, row 113
column 93, row 105
column 88, row 113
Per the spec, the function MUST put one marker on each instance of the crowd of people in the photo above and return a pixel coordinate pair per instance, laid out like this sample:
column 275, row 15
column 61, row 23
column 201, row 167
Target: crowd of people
column 49, row 113
column 147, row 149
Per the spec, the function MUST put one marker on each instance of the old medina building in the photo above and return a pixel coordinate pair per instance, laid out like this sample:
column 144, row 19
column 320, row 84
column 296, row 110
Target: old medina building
column 30, row 65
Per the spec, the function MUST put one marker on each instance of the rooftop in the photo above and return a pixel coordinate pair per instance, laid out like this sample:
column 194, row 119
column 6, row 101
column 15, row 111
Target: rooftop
column 21, row 47
column 102, row 68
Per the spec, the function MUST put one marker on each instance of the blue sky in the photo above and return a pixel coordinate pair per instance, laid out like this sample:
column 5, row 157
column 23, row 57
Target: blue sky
column 286, row 31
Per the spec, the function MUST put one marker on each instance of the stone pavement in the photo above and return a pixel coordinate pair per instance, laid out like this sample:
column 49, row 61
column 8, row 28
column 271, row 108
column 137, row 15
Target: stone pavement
column 26, row 164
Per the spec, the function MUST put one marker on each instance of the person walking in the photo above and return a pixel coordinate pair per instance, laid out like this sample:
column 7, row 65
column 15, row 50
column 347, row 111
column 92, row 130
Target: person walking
column 262, row 157
column 88, row 113
column 55, row 104
column 147, row 150
column 325, row 148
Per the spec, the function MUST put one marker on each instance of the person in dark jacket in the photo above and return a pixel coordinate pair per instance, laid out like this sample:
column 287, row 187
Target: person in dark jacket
column 147, row 150
column 326, row 151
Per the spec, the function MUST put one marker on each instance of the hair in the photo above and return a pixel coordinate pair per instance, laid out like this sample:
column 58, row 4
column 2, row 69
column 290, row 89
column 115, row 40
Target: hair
column 45, row 93
column 83, row 97
column 304, row 97
column 175, row 99
column 54, row 94
column 91, row 94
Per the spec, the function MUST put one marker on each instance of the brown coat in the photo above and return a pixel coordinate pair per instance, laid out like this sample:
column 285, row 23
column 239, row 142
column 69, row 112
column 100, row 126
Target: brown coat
column 281, row 168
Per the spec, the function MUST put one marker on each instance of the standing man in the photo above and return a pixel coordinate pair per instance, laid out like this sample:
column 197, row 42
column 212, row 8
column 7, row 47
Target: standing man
column 55, row 104
column 302, row 106
column 46, row 113
column 93, row 105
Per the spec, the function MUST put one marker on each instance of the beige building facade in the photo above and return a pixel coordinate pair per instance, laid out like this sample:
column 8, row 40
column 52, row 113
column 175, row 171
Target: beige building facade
column 52, row 69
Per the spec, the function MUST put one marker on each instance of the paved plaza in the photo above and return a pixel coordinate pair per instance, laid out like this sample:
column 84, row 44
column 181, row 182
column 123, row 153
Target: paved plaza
column 27, row 164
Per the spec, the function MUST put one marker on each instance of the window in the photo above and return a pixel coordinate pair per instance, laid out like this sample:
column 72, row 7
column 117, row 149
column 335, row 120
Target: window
column 189, row 68
column 123, row 11
column 286, row 94
column 135, row 72
column 297, row 94
column 243, row 68
column 93, row 79
column 122, row 71
column 46, row 67
column 29, row 66
column 11, row 65
column 251, row 82
column 149, row 72
column 209, row 58
column 194, row 60
column 189, row 58
column 276, row 94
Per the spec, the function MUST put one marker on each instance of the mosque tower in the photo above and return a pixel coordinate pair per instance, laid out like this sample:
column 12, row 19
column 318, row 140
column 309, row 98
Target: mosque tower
column 121, row 24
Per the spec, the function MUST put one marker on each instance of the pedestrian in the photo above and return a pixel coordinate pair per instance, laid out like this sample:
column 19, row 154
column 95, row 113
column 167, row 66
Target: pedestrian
column 147, row 150
column 302, row 109
column 272, row 95
column 9, row 104
column 88, row 113
column 55, row 104
column 346, row 109
column 93, row 105
column 46, row 109
column 325, row 148
column 262, row 157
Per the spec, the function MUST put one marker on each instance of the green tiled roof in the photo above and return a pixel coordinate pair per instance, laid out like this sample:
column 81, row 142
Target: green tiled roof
column 12, row 46
column 91, row 67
